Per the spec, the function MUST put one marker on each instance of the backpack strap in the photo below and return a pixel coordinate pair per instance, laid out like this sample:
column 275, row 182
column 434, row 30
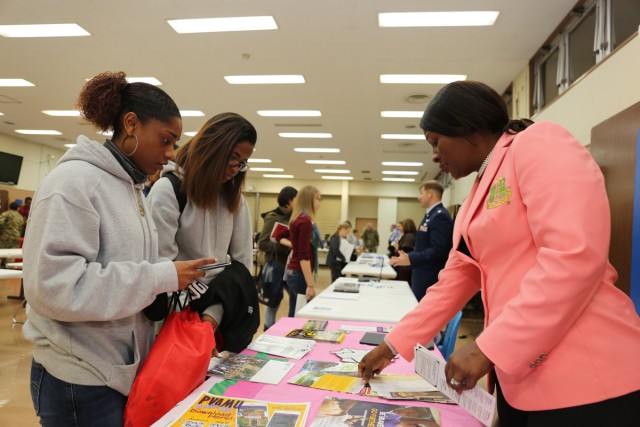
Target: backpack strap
column 181, row 197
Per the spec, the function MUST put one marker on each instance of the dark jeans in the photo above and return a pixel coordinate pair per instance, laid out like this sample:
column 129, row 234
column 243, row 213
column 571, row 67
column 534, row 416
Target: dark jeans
column 61, row 404
column 296, row 285
column 619, row 412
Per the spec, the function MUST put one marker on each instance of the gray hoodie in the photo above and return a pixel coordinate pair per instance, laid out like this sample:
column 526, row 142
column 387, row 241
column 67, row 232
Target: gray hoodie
column 90, row 266
column 200, row 233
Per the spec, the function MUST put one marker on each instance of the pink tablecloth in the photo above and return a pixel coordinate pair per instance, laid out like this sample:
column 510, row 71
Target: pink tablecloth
column 450, row 415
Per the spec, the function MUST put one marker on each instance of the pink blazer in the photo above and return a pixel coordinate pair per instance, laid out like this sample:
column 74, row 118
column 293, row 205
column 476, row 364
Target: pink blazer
column 538, row 227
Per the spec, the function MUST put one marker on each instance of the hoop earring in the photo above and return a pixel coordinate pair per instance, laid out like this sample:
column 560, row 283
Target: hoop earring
column 134, row 149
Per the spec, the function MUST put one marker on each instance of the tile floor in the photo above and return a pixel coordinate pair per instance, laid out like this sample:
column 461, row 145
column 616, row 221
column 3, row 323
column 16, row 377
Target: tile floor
column 15, row 353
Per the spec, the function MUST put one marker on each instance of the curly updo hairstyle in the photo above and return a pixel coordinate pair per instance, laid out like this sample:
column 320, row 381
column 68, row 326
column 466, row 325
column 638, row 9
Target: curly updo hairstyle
column 107, row 97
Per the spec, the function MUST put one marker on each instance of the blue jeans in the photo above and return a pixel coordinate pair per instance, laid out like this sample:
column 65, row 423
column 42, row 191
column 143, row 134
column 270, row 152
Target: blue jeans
column 62, row 404
column 277, row 278
column 296, row 285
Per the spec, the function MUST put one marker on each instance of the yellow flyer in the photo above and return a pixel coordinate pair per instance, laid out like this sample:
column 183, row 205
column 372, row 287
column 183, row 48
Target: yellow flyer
column 218, row 411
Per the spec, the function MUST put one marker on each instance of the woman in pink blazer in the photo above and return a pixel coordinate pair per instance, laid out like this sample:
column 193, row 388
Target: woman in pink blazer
column 561, row 343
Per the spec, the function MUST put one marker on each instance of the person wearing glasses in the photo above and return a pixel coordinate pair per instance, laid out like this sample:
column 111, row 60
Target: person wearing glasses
column 215, row 220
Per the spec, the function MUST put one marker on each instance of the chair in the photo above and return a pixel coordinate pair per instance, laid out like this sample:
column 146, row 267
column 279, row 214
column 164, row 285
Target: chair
column 450, row 335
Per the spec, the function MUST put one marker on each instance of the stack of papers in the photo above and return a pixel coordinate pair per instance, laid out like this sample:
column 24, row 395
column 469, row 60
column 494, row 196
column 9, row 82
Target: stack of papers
column 249, row 368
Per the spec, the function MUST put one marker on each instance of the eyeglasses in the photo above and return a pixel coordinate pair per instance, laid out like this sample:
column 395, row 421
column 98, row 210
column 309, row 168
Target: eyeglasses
column 234, row 163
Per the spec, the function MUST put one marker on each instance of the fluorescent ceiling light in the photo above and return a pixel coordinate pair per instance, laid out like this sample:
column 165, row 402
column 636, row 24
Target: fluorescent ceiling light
column 267, row 169
column 289, row 113
column 421, row 78
column 437, row 19
column 342, row 178
column 43, row 30
column 402, row 164
column 259, row 160
column 316, row 150
column 217, row 25
column 265, row 80
column 399, row 179
column 402, row 114
column 62, row 113
column 305, row 135
column 191, row 113
column 15, row 83
column 38, row 132
column 149, row 80
column 402, row 136
column 1, row 114
column 325, row 162
column 399, row 173
column 332, row 170
column 269, row 175
column 190, row 133
column 69, row 145
column 105, row 133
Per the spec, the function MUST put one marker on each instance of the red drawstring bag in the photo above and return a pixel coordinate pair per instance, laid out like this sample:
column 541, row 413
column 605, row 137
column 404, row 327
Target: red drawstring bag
column 176, row 365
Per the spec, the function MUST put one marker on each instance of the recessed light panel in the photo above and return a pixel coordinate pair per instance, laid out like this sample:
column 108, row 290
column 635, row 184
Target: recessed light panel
column 43, row 30
column 337, row 177
column 305, row 135
column 267, row 169
column 402, row 114
column 399, row 179
column 325, row 162
column 332, row 170
column 399, row 173
column 218, row 25
column 265, row 79
column 15, row 83
column 402, row 164
column 438, row 19
column 421, row 78
column 191, row 113
column 316, row 150
column 259, row 160
column 38, row 132
column 402, row 136
column 62, row 113
column 269, row 175
column 289, row 113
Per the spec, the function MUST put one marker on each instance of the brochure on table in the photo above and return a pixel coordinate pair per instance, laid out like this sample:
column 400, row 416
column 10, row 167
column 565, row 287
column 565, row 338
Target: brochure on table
column 234, row 366
column 476, row 401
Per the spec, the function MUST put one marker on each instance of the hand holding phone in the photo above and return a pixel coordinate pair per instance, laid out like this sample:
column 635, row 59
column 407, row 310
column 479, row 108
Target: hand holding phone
column 215, row 265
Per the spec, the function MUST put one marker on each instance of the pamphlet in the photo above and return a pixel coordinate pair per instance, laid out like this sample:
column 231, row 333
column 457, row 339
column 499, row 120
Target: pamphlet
column 476, row 401
column 346, row 249
column 290, row 348
column 332, row 336
column 219, row 411
column 277, row 228
column 347, row 412
column 315, row 325
column 249, row 368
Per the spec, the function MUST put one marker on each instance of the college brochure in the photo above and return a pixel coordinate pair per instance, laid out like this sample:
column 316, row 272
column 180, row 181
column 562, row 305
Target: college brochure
column 219, row 411
column 331, row 336
column 291, row 348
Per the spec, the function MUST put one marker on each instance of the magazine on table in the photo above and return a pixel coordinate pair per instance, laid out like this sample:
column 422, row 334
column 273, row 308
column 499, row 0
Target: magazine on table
column 343, row 377
column 218, row 411
column 291, row 348
column 245, row 367
column 334, row 412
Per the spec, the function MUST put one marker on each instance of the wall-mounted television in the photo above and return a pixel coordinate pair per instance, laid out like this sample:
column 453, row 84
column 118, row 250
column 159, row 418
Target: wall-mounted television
column 10, row 166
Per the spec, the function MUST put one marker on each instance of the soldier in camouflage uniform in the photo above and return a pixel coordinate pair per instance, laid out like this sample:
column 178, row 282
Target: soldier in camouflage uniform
column 11, row 224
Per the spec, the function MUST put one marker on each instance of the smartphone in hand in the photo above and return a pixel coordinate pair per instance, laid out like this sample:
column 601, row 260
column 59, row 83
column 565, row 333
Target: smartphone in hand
column 215, row 265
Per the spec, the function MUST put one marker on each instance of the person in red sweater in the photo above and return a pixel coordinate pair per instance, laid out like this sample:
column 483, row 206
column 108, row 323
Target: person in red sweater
column 304, row 239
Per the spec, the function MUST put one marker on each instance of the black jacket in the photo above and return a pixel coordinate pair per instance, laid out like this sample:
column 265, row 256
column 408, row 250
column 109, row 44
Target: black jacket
column 235, row 289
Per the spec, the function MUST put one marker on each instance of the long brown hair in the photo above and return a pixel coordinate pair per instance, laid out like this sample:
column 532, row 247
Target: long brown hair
column 304, row 202
column 204, row 159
